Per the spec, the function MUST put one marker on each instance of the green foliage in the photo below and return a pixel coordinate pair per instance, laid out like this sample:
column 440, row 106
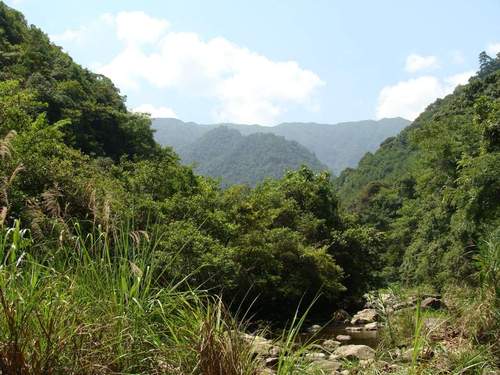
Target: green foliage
column 434, row 189
column 88, row 307
column 279, row 243
column 100, row 123
column 338, row 146
column 236, row 159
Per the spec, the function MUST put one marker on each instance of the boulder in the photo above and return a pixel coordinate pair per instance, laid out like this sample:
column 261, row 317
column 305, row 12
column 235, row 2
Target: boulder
column 330, row 345
column 371, row 326
column 365, row 316
column 431, row 303
column 341, row 316
column 327, row 366
column 260, row 346
column 314, row 356
column 355, row 352
column 343, row 338
column 314, row 328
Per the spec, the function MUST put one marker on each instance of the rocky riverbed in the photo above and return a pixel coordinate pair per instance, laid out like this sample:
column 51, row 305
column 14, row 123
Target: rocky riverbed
column 354, row 338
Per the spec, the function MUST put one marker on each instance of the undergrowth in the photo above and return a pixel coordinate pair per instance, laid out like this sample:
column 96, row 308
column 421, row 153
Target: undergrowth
column 94, row 307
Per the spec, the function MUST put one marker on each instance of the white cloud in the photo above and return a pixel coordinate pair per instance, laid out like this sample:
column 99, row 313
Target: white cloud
column 493, row 49
column 247, row 87
column 458, row 79
column 137, row 27
column 409, row 98
column 86, row 34
column 69, row 35
column 416, row 62
column 155, row 112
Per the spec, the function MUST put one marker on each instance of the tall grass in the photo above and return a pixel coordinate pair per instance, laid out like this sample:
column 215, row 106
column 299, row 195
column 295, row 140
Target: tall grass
column 291, row 356
column 94, row 307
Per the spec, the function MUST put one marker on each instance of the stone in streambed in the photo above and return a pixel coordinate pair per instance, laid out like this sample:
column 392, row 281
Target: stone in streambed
column 365, row 316
column 371, row 326
column 327, row 366
column 314, row 356
column 330, row 345
column 314, row 328
column 343, row 338
column 355, row 352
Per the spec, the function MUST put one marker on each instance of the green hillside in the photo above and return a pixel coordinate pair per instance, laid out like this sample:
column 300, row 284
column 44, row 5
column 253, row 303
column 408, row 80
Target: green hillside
column 337, row 146
column 236, row 159
column 116, row 258
column 434, row 188
column 78, row 167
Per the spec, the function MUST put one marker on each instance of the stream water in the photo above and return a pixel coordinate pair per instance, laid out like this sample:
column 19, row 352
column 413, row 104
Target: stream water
column 331, row 331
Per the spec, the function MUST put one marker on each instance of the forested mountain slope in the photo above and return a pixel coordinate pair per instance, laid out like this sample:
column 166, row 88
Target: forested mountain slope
column 76, row 166
column 338, row 146
column 236, row 159
column 116, row 258
column 435, row 188
column 100, row 124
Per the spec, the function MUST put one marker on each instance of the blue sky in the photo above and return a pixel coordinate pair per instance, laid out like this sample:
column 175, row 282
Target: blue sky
column 267, row 62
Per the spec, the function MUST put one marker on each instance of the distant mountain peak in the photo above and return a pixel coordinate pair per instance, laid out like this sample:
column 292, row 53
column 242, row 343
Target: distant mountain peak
column 337, row 146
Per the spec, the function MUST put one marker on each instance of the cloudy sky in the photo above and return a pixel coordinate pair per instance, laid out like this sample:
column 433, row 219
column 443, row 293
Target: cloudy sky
column 267, row 62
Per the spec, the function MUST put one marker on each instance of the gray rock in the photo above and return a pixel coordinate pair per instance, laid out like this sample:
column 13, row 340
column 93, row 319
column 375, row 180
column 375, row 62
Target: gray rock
column 314, row 328
column 341, row 316
column 260, row 346
column 355, row 352
column 330, row 345
column 343, row 338
column 327, row 366
column 365, row 316
column 314, row 356
column 371, row 326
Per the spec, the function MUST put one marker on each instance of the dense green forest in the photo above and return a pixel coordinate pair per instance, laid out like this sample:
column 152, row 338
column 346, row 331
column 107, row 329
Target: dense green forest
column 280, row 242
column 337, row 146
column 227, row 155
column 116, row 258
column 434, row 189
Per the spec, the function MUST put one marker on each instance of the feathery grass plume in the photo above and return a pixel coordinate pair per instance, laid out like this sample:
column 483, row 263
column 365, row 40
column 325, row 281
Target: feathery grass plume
column 91, row 196
column 221, row 347
column 6, row 145
column 5, row 184
column 3, row 216
column 50, row 200
column 6, row 181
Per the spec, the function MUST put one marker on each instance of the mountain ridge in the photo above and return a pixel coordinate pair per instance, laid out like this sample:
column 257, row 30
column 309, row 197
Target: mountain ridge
column 338, row 146
column 226, row 153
